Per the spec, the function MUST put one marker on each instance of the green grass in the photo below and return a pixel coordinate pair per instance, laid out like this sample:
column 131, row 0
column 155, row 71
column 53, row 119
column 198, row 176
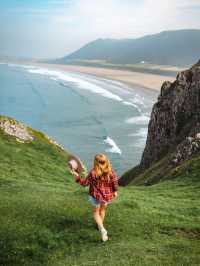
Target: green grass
column 45, row 218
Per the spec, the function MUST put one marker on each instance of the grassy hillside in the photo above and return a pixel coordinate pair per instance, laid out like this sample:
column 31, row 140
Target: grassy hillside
column 159, row 171
column 46, row 219
column 179, row 47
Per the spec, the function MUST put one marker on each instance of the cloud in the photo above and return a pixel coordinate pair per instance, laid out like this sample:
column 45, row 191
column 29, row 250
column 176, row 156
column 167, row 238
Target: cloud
column 128, row 19
column 65, row 25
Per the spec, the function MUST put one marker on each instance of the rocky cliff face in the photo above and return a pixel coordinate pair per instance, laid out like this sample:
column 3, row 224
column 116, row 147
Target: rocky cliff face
column 175, row 120
column 13, row 128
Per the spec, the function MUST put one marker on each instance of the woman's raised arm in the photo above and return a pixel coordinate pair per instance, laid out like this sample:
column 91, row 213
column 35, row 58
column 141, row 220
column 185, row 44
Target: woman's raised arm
column 83, row 181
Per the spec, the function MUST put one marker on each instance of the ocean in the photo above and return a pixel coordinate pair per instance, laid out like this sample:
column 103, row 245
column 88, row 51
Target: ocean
column 84, row 113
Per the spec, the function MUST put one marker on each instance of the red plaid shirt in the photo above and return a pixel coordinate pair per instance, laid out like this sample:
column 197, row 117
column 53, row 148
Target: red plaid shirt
column 102, row 192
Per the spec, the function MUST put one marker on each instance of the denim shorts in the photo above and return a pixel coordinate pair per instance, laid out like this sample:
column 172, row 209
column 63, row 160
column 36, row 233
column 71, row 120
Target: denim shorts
column 96, row 203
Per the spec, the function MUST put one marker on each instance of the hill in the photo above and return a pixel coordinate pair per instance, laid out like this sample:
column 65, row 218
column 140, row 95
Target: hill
column 179, row 48
column 173, row 131
column 46, row 219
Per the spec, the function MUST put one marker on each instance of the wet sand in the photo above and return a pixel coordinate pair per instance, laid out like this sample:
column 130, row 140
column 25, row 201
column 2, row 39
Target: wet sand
column 146, row 80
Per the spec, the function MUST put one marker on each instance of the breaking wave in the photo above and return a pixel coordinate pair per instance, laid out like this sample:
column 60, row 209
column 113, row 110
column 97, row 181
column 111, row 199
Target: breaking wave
column 113, row 146
column 138, row 120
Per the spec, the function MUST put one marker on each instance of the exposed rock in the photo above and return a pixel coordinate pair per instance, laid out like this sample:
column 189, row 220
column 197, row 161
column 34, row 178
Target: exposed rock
column 185, row 150
column 198, row 135
column 52, row 141
column 175, row 117
column 23, row 135
column 173, row 131
column 20, row 131
column 15, row 129
column 165, row 88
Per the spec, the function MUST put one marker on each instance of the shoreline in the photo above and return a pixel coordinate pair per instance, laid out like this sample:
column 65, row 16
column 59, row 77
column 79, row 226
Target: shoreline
column 147, row 81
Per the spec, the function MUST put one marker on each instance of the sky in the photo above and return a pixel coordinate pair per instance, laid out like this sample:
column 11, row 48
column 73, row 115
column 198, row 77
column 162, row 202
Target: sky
column 54, row 28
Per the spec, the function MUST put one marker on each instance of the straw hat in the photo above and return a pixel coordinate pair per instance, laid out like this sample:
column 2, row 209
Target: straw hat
column 75, row 164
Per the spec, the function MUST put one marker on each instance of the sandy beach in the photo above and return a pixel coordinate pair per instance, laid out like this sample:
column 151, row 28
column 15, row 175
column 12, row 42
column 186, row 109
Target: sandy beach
column 146, row 80
column 65, row 104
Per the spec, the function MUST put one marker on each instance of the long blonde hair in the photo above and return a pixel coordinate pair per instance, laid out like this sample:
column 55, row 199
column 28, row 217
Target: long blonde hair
column 102, row 168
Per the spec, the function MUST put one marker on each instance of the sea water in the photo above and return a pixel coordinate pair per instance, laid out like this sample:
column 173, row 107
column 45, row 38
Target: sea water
column 86, row 114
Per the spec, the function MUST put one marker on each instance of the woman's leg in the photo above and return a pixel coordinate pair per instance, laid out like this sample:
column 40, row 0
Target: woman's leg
column 97, row 217
column 102, row 211
column 98, row 220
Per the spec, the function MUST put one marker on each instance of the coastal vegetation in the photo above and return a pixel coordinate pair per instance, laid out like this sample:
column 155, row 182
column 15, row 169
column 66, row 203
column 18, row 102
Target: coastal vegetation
column 139, row 67
column 45, row 216
column 135, row 98
column 182, row 50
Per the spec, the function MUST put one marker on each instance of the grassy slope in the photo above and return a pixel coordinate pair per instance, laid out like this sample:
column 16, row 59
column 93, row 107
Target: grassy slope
column 158, row 171
column 45, row 217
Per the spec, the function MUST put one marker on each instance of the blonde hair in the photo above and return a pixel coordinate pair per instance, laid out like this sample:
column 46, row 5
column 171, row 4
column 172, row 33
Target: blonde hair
column 102, row 168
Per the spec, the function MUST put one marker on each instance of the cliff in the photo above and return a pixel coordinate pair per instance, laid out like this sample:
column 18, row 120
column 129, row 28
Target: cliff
column 174, row 127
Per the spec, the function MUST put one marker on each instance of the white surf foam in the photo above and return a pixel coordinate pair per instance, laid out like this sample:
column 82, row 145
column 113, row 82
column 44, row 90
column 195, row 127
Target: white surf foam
column 142, row 133
column 81, row 83
column 120, row 87
column 140, row 143
column 19, row 65
column 129, row 103
column 138, row 120
column 27, row 66
column 132, row 104
column 140, row 138
column 138, row 100
column 114, row 148
column 52, row 78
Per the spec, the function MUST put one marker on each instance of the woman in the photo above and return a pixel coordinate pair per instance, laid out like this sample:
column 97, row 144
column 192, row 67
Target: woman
column 103, row 185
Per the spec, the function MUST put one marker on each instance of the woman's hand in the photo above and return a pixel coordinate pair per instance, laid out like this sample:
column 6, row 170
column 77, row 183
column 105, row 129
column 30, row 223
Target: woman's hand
column 115, row 194
column 74, row 173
